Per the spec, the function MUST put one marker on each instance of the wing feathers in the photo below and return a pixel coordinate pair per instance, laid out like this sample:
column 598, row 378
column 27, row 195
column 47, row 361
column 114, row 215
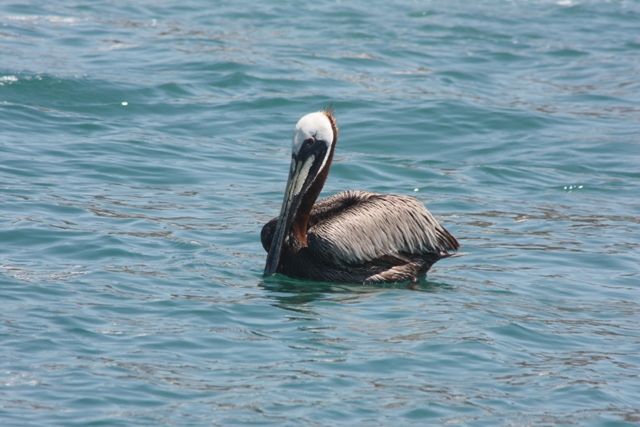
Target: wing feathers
column 357, row 227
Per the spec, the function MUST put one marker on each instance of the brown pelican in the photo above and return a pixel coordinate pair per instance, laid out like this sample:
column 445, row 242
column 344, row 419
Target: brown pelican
column 353, row 236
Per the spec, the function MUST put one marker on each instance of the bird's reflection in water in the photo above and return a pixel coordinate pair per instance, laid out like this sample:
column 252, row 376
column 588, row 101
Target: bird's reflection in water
column 298, row 295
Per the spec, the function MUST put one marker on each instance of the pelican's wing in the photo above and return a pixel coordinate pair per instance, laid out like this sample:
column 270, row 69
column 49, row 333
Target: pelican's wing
column 358, row 227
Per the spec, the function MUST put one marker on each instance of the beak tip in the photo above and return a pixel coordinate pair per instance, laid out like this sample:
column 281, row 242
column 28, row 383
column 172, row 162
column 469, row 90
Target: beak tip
column 271, row 266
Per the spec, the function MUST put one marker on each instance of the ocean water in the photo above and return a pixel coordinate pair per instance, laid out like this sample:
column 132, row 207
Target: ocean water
column 143, row 145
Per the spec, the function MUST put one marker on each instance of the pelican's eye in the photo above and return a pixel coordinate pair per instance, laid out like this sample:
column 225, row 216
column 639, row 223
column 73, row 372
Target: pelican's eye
column 309, row 141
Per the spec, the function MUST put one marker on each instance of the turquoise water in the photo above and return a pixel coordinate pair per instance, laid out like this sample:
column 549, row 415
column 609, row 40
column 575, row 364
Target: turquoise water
column 143, row 145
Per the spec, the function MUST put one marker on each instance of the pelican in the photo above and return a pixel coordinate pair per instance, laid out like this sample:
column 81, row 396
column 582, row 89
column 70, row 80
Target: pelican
column 353, row 236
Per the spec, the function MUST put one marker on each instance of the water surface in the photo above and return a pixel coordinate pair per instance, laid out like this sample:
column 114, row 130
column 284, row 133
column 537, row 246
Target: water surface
column 142, row 147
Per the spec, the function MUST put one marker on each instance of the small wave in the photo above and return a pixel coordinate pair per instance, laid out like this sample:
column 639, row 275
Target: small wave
column 7, row 80
column 54, row 19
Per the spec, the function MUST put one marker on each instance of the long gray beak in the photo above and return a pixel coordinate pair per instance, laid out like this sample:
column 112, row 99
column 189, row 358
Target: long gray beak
column 298, row 182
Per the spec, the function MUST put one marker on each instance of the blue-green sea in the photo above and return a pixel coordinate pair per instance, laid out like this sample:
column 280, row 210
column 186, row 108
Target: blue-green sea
column 143, row 144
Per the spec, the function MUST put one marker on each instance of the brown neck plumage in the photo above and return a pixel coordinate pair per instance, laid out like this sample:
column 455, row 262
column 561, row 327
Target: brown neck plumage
column 301, row 221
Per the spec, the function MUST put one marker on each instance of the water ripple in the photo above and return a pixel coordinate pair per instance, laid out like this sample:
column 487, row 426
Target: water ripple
column 144, row 145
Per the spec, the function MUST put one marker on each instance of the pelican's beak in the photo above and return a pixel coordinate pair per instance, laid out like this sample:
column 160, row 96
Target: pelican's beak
column 304, row 168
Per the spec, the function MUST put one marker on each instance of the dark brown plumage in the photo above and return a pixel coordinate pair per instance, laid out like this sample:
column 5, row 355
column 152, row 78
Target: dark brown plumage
column 353, row 236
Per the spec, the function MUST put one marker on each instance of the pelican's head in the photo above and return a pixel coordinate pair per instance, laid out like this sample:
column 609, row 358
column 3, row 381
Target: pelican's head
column 313, row 140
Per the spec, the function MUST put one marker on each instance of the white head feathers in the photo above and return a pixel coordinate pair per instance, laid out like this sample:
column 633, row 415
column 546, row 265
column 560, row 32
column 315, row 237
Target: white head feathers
column 314, row 125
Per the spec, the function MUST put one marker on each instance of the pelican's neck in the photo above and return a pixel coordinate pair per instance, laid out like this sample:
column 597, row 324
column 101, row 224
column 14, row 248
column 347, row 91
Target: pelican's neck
column 301, row 222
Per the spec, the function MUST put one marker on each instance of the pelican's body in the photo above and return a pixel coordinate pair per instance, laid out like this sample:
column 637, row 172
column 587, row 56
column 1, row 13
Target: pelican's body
column 353, row 236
